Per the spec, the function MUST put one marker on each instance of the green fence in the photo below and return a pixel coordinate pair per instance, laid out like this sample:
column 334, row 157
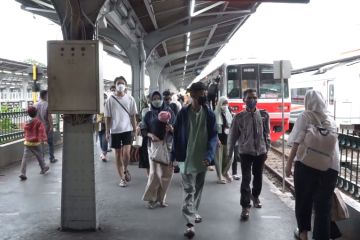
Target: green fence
column 12, row 125
column 348, row 178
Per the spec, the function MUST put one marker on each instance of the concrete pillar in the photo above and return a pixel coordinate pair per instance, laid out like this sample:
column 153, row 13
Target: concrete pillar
column 78, row 194
column 154, row 71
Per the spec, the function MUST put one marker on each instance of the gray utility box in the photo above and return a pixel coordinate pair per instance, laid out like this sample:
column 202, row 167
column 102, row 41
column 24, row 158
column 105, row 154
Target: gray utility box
column 75, row 83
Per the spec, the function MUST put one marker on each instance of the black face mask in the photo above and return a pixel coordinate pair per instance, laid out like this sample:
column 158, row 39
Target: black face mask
column 202, row 100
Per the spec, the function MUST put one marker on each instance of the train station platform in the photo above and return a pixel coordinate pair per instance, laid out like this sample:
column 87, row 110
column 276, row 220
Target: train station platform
column 31, row 209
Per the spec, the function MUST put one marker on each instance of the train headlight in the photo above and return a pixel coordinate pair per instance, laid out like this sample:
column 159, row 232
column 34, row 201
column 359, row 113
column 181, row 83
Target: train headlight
column 234, row 108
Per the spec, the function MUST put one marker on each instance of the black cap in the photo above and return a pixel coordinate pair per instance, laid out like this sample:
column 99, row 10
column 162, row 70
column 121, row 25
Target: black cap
column 198, row 86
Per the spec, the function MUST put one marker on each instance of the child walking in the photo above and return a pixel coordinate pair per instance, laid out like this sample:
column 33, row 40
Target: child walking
column 35, row 135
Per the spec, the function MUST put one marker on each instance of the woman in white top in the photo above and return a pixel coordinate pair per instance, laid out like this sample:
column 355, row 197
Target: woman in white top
column 312, row 187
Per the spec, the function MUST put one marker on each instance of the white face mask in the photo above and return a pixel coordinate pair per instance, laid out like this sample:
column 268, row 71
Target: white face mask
column 223, row 108
column 120, row 87
column 157, row 103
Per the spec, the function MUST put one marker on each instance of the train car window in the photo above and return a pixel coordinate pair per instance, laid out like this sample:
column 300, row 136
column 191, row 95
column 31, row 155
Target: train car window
column 331, row 94
column 249, row 77
column 270, row 88
column 233, row 82
column 298, row 95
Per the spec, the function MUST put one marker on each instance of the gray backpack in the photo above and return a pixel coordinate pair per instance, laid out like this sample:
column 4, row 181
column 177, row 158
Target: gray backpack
column 317, row 149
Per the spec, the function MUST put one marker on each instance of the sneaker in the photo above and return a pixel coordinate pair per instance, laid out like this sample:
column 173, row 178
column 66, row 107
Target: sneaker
column 127, row 176
column 198, row 218
column 103, row 158
column 211, row 168
column 53, row 160
column 245, row 213
column 122, row 183
column 22, row 177
column 151, row 205
column 189, row 232
column 44, row 170
column 164, row 204
column 236, row 177
column 256, row 202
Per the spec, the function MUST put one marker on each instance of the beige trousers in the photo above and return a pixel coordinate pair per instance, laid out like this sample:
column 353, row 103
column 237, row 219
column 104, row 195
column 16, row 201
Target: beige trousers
column 158, row 182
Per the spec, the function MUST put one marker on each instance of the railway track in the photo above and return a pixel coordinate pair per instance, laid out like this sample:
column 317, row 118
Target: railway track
column 274, row 166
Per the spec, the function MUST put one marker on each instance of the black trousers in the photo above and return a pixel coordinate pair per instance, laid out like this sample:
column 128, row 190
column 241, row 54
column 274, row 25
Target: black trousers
column 235, row 161
column 255, row 165
column 314, row 188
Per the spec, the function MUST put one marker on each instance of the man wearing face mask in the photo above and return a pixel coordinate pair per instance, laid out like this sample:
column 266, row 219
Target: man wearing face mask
column 120, row 113
column 194, row 147
column 250, row 128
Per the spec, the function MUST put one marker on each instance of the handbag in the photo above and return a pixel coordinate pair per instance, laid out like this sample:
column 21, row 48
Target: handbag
column 159, row 153
column 137, row 143
column 339, row 210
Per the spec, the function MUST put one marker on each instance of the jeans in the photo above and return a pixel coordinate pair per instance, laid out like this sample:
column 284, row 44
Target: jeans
column 254, row 164
column 50, row 142
column 314, row 188
column 103, row 142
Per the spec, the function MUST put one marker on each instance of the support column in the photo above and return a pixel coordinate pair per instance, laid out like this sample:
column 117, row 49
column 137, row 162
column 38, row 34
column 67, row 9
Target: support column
column 142, row 68
column 154, row 71
column 78, row 194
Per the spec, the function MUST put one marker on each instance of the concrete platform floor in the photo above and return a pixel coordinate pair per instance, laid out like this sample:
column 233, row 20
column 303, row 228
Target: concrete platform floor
column 31, row 209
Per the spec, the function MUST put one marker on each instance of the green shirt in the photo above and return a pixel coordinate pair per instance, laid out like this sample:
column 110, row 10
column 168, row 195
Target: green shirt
column 197, row 143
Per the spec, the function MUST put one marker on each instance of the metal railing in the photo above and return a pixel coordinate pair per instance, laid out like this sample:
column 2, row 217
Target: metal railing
column 12, row 125
column 349, row 179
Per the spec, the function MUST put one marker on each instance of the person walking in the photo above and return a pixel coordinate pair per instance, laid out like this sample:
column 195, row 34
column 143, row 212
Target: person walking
column 250, row 128
column 35, row 135
column 194, row 147
column 100, row 127
column 46, row 118
column 223, row 122
column 120, row 122
column 314, row 187
column 157, row 126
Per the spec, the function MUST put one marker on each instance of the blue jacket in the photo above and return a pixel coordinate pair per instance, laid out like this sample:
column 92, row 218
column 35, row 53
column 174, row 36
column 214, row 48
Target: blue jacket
column 181, row 135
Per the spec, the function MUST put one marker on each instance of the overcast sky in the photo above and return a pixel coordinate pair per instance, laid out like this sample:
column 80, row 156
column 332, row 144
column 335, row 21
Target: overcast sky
column 305, row 34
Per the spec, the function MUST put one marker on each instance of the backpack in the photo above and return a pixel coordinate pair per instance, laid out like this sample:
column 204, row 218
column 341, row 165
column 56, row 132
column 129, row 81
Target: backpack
column 317, row 149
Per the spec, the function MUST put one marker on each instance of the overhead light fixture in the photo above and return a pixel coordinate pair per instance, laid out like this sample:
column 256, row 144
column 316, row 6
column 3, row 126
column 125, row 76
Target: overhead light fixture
column 188, row 41
column 185, row 61
column 192, row 7
column 187, row 49
column 117, row 48
column 188, row 34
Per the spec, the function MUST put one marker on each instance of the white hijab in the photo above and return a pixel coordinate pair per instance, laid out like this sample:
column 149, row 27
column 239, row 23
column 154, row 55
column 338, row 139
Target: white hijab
column 218, row 112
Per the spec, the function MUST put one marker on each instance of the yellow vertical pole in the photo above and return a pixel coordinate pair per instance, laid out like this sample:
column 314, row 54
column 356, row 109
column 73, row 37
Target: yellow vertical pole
column 34, row 77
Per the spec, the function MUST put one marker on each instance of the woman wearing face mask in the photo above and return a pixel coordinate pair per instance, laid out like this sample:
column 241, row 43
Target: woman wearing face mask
column 160, row 175
column 223, row 122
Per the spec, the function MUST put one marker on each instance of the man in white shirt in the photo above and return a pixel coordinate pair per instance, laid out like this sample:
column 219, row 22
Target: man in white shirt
column 120, row 114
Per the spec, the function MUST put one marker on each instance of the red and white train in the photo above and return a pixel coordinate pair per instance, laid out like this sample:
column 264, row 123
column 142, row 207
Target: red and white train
column 234, row 78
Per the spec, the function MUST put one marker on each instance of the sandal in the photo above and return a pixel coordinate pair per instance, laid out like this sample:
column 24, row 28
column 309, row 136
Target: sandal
column 164, row 204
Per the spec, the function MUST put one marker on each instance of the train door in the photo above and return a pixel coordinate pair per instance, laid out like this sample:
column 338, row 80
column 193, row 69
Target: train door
column 331, row 103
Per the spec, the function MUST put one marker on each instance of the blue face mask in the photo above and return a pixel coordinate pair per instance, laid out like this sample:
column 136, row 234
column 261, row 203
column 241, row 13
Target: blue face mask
column 251, row 103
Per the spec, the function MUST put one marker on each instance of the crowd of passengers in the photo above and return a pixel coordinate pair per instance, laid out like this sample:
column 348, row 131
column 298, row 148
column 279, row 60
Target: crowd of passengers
column 191, row 136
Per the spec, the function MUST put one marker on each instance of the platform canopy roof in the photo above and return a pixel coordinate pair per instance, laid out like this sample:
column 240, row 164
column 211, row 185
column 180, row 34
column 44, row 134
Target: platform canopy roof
column 182, row 36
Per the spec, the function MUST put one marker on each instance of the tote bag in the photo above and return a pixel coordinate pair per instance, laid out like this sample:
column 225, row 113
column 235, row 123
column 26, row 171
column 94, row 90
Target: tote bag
column 159, row 153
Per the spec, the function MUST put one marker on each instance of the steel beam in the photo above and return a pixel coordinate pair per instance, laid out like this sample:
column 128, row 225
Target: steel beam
column 156, row 37
column 173, row 67
column 171, row 57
